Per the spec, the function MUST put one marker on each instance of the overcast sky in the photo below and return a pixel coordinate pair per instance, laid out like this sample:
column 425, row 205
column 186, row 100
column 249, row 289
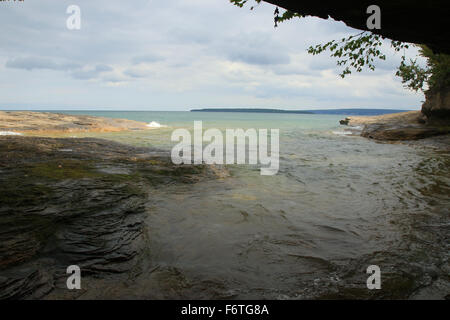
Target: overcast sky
column 178, row 55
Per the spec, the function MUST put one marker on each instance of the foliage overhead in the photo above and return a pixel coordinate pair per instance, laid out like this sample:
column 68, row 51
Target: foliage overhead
column 286, row 15
column 360, row 51
column 435, row 75
column 357, row 51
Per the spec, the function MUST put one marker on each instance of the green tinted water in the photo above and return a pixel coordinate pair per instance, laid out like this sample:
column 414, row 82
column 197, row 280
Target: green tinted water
column 338, row 204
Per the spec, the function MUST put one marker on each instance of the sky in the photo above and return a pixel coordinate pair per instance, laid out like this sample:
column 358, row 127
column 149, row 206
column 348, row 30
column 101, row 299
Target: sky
column 179, row 55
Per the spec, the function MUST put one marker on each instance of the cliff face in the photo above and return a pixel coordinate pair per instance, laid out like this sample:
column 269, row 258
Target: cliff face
column 420, row 22
column 437, row 106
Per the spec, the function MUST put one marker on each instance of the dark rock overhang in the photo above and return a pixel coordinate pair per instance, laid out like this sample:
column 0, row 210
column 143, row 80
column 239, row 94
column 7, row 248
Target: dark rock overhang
column 421, row 22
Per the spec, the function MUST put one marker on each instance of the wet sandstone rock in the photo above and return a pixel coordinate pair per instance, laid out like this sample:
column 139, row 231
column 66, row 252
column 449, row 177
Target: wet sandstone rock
column 396, row 127
column 47, row 122
column 84, row 207
column 437, row 106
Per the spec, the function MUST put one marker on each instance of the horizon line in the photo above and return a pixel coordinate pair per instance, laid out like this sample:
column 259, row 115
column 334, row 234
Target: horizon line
column 198, row 109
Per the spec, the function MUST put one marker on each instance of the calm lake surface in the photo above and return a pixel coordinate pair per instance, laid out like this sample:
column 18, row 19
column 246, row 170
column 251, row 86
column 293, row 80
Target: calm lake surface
column 337, row 205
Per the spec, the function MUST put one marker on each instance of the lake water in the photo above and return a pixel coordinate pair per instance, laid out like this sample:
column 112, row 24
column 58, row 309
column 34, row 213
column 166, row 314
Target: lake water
column 337, row 205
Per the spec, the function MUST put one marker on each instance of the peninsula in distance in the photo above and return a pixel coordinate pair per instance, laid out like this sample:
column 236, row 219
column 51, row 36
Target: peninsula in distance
column 350, row 112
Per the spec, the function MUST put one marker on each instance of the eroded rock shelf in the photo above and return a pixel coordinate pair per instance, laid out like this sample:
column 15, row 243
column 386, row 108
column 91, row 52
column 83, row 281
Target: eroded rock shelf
column 76, row 201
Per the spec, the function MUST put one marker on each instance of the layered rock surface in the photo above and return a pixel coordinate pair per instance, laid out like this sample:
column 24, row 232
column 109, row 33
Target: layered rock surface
column 46, row 122
column 437, row 106
column 396, row 127
column 75, row 202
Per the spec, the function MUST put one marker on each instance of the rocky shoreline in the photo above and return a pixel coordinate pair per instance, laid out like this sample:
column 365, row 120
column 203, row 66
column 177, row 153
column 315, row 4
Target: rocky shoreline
column 82, row 201
column 30, row 122
column 76, row 201
column 404, row 126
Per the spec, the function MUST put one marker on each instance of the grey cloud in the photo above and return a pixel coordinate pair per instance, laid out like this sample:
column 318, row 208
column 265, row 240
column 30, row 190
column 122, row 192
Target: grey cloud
column 148, row 58
column 84, row 75
column 92, row 73
column 196, row 35
column 288, row 70
column 30, row 63
column 76, row 70
column 324, row 62
column 255, row 48
column 114, row 79
column 271, row 91
column 259, row 58
column 201, row 34
column 135, row 73
column 103, row 68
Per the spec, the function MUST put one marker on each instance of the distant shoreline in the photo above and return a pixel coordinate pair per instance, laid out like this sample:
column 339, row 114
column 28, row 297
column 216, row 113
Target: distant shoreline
column 350, row 112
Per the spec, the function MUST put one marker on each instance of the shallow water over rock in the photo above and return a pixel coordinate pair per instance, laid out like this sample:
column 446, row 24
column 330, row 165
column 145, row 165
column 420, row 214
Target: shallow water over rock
column 337, row 205
column 84, row 209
